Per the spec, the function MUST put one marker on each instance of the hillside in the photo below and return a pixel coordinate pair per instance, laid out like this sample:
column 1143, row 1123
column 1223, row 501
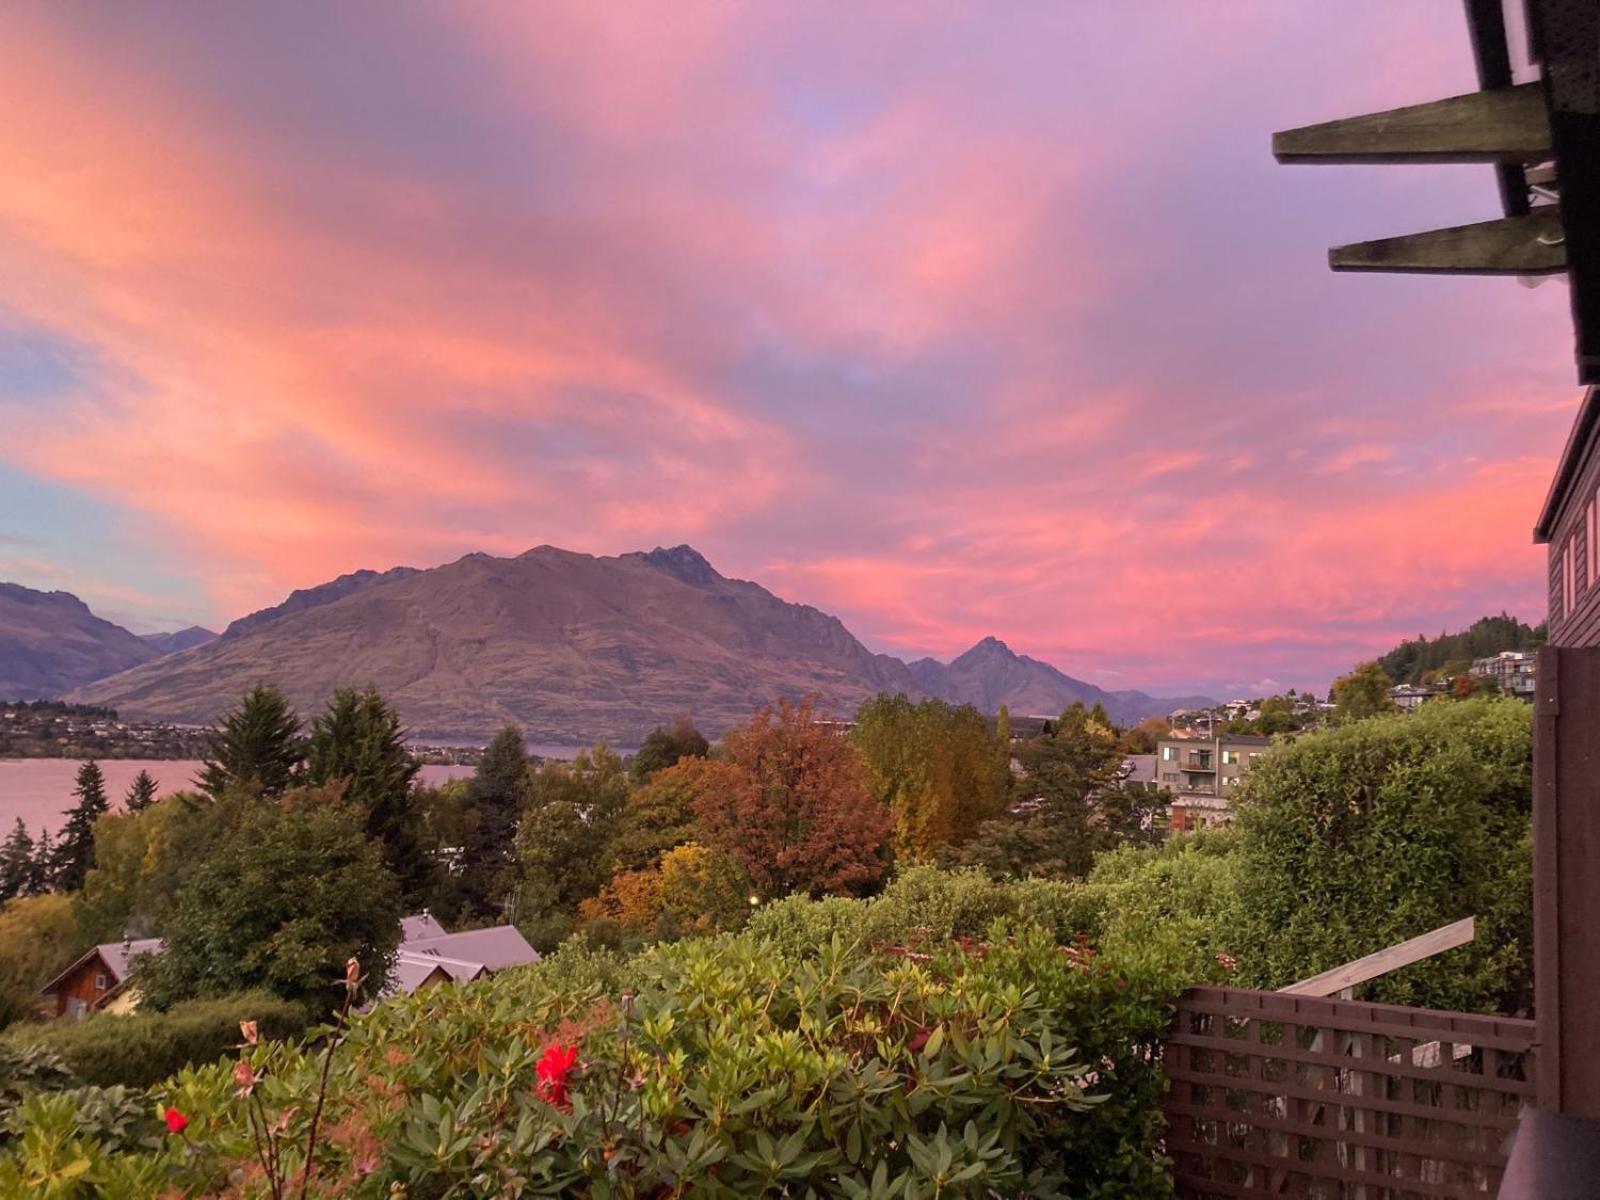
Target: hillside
column 50, row 643
column 1452, row 653
column 182, row 639
column 991, row 674
column 566, row 645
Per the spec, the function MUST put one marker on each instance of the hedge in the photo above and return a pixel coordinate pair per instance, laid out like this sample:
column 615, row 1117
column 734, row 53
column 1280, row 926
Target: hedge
column 142, row 1048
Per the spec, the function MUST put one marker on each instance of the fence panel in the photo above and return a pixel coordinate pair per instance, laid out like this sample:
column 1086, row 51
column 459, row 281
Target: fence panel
column 1284, row 1095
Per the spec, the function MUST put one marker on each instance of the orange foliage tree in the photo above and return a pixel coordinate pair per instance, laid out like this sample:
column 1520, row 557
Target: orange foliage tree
column 792, row 802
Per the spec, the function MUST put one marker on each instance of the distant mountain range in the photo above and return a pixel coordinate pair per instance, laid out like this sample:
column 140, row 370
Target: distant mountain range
column 51, row 643
column 182, row 639
column 992, row 674
column 571, row 647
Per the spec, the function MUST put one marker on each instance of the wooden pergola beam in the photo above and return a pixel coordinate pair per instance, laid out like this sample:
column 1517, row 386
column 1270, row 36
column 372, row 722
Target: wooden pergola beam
column 1531, row 244
column 1508, row 125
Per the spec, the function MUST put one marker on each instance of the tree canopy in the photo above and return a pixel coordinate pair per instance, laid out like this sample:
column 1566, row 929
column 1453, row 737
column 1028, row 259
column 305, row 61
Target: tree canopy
column 257, row 748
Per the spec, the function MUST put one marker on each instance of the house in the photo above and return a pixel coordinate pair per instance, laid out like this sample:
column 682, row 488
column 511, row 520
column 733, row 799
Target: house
column 427, row 954
column 1512, row 670
column 97, row 981
column 1410, row 696
column 1200, row 773
column 456, row 957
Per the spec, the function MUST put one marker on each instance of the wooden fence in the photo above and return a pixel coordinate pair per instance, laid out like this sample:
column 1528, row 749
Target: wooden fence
column 1292, row 1095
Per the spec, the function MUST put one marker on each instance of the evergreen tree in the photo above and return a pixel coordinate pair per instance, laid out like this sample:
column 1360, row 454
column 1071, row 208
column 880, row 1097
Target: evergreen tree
column 257, row 748
column 74, row 853
column 1002, row 729
column 359, row 742
column 665, row 746
column 16, row 863
column 141, row 792
column 42, row 877
column 495, row 797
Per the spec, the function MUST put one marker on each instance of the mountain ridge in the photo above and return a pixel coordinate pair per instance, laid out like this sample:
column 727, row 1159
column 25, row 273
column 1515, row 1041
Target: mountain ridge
column 50, row 642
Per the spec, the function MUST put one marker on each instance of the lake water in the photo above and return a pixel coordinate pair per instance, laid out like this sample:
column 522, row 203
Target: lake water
column 39, row 790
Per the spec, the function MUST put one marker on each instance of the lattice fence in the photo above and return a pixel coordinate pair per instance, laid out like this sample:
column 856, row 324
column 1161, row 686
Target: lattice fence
column 1280, row 1095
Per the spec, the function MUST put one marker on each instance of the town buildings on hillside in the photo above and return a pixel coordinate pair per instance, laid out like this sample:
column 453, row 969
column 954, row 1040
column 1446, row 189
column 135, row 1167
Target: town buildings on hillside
column 1201, row 773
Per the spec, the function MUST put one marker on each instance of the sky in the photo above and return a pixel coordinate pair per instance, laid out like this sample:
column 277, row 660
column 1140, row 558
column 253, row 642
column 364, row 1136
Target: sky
column 952, row 319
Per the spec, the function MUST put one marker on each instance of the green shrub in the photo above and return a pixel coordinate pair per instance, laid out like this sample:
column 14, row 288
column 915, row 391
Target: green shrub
column 1356, row 838
column 143, row 1047
column 719, row 1067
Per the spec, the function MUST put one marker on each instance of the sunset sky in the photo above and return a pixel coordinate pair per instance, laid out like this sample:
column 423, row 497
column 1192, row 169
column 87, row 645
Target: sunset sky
column 951, row 319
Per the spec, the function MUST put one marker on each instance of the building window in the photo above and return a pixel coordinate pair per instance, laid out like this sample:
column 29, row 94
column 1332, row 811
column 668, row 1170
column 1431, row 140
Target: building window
column 1588, row 544
column 1169, row 754
column 1569, row 579
column 1170, row 776
column 100, row 982
column 1230, row 757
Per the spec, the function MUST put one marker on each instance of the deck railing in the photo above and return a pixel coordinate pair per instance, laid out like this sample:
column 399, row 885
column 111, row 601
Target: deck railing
column 1275, row 1094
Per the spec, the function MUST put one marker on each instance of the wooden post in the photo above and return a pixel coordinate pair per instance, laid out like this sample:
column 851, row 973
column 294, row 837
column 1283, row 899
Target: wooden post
column 1566, row 878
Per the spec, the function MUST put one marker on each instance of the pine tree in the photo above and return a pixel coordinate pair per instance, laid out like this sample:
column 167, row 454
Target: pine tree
column 74, row 853
column 495, row 796
column 1002, row 728
column 16, row 863
column 42, row 874
column 257, row 748
column 141, row 792
column 359, row 742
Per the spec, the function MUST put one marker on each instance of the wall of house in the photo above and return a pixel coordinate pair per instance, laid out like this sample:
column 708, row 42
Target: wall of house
column 80, row 991
column 1572, row 549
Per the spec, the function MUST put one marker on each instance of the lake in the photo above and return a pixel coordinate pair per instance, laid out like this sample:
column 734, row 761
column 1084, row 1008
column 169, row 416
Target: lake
column 39, row 790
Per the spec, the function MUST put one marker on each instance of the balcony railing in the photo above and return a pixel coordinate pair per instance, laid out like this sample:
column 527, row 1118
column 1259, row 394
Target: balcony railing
column 1278, row 1094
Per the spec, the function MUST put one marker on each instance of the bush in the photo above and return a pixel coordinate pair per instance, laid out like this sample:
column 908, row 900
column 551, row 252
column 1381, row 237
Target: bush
column 718, row 1067
column 1356, row 838
column 143, row 1047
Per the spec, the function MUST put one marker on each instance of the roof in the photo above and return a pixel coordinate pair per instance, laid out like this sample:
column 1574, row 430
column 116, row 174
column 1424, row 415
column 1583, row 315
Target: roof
column 1570, row 465
column 411, row 971
column 421, row 925
column 117, row 956
column 494, row 949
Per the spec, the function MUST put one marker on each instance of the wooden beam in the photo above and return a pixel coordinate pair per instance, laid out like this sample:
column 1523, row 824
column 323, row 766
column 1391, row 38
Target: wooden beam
column 1532, row 244
column 1446, row 937
column 1507, row 125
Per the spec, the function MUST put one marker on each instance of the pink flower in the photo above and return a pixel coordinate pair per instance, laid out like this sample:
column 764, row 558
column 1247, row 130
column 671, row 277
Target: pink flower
column 557, row 1063
column 176, row 1121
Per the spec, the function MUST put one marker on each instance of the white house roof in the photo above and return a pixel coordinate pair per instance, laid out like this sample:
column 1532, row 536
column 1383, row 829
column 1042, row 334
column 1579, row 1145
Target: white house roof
column 422, row 925
column 495, row 949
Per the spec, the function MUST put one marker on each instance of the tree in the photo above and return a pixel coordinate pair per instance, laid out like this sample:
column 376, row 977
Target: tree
column 654, row 819
column 1363, row 693
column 74, row 853
column 290, row 893
column 141, row 792
column 256, row 749
column 1002, row 729
column 16, row 863
column 936, row 767
column 1354, row 838
column 1143, row 737
column 495, row 798
column 358, row 742
column 43, row 876
column 693, row 889
column 563, row 839
column 793, row 804
column 38, row 939
column 665, row 745
column 1057, row 828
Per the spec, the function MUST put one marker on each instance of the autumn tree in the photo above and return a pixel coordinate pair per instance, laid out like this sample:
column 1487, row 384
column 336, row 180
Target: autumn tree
column 74, row 853
column 359, row 743
column 693, row 889
column 936, row 767
column 654, row 818
column 793, row 803
column 1362, row 693
column 665, row 745
column 141, row 792
column 257, row 748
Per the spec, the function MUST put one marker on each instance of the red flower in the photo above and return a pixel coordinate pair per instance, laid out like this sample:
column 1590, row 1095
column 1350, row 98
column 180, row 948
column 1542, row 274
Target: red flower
column 176, row 1121
column 554, row 1067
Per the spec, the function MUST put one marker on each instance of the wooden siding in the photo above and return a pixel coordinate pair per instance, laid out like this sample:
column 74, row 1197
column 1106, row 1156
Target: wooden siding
column 83, row 985
column 1580, row 626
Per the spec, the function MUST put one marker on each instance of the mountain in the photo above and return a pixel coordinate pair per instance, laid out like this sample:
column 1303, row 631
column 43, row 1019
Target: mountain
column 302, row 599
column 182, row 639
column 50, row 643
column 568, row 646
column 991, row 674
column 1452, row 653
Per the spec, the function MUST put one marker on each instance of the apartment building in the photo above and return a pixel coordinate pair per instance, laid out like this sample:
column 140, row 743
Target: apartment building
column 1200, row 774
column 1511, row 669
